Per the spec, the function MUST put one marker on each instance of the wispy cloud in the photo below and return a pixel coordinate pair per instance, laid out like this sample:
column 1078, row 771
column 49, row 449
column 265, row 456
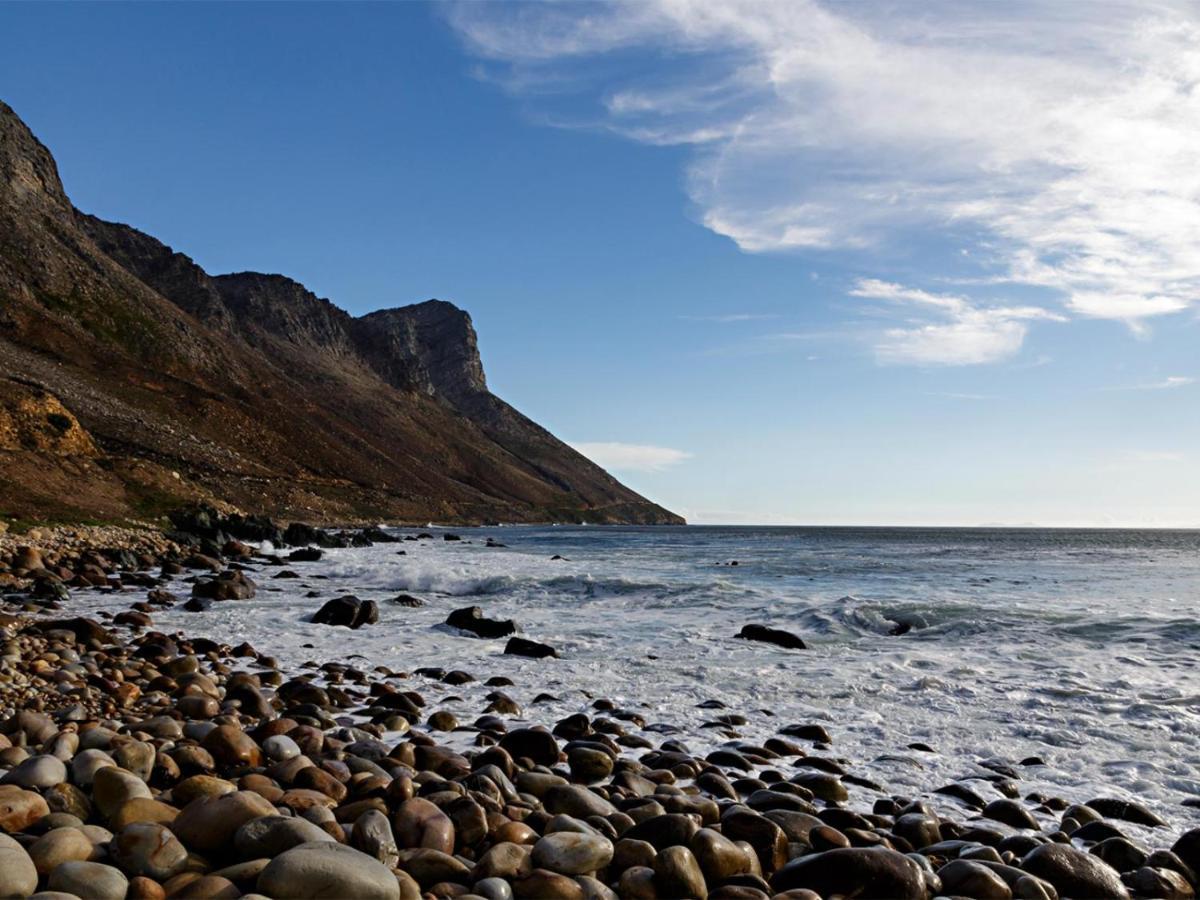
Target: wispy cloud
column 960, row 333
column 957, row 395
column 630, row 457
column 1169, row 383
column 1042, row 143
column 731, row 317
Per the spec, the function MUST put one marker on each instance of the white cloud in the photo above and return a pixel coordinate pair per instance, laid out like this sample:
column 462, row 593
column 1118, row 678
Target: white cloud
column 727, row 318
column 1169, row 383
column 1050, row 144
column 630, row 457
column 961, row 333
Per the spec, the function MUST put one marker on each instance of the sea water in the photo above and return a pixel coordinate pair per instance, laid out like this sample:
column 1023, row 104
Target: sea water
column 1078, row 648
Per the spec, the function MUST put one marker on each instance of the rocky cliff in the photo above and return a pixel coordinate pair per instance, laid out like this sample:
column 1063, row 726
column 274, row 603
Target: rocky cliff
column 246, row 388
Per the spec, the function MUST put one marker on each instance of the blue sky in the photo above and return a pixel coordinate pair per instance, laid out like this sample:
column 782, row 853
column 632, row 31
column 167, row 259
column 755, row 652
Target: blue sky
column 767, row 262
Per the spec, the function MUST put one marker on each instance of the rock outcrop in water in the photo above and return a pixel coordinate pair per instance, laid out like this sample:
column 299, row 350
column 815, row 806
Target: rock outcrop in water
column 132, row 380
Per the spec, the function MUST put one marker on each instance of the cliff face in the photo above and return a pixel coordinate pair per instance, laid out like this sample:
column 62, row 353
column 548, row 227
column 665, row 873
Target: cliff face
column 248, row 388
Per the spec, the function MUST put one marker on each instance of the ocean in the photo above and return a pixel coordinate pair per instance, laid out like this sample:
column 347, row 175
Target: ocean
column 1075, row 652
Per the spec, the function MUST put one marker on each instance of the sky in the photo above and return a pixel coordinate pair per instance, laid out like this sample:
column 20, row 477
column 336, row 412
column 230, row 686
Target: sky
column 767, row 262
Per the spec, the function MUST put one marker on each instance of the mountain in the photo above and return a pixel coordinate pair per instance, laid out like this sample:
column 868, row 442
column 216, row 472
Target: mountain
column 131, row 381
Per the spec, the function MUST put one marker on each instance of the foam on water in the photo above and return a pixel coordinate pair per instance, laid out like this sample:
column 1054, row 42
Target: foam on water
column 1077, row 647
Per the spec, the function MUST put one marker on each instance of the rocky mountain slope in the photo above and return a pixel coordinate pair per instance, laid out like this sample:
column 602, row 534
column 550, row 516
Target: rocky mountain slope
column 132, row 380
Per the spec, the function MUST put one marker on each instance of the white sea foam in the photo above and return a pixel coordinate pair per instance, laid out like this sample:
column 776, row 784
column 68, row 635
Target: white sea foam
column 1062, row 649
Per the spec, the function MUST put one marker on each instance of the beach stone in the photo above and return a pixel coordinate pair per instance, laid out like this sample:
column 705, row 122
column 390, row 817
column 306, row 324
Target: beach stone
column 823, row 785
column 58, row 846
column 112, row 788
column 421, row 824
column 86, row 763
column 1127, row 811
column 1073, row 872
column 1151, row 882
column 92, row 880
column 1187, row 847
column 471, row 618
column 868, row 873
column 18, row 874
column 493, row 889
column 280, row 747
column 20, row 808
column 349, row 611
column 541, row 884
column 775, row 636
column 208, row 887
column 430, row 867
column 571, row 853
column 136, row 757
column 535, row 744
column 373, row 836
column 677, row 874
column 504, row 860
column 666, row 830
column 588, row 764
column 269, row 836
column 142, row 809
column 518, row 646
column 42, row 771
column 764, row 835
column 231, row 746
column 327, row 870
column 718, row 856
column 965, row 878
column 1121, row 853
column 208, row 824
column 637, row 883
column 1012, row 813
column 149, row 849
column 576, row 800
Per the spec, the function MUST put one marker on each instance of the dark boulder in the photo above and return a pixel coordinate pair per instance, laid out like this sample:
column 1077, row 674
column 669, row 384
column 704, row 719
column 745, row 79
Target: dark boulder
column 305, row 554
column 1126, row 811
column 86, row 631
column 1074, row 873
column 406, row 600
column 520, row 647
column 867, row 873
column 470, row 618
column 232, row 584
column 775, row 636
column 349, row 611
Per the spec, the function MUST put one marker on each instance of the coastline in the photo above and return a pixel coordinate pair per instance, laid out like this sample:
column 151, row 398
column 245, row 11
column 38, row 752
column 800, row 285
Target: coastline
column 808, row 822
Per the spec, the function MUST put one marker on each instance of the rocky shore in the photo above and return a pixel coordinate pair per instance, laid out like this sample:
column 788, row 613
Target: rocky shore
column 140, row 764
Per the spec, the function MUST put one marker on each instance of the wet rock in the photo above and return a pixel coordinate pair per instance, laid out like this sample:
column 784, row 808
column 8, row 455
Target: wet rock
column 232, row 584
column 1073, row 872
column 269, row 836
column 677, row 874
column 719, row 857
column 517, row 646
column 1012, row 813
column 1165, row 883
column 775, row 636
column 1126, row 811
column 571, row 853
column 349, row 611
column 534, row 744
column 112, row 788
column 471, row 618
column 327, row 870
column 92, row 880
column 150, row 850
column 964, row 878
column 208, row 824
column 421, row 824
column 866, row 873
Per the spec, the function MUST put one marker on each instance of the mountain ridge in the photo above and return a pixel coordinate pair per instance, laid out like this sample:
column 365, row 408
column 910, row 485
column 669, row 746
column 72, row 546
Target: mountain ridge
column 248, row 389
